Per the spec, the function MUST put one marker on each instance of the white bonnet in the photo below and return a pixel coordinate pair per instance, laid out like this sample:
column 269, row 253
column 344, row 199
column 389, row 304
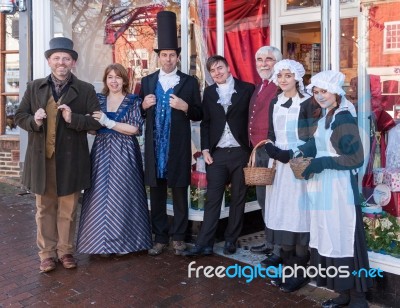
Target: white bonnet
column 331, row 81
column 294, row 67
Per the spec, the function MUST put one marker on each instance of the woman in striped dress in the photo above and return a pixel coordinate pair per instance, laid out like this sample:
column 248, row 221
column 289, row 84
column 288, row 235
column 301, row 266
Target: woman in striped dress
column 115, row 217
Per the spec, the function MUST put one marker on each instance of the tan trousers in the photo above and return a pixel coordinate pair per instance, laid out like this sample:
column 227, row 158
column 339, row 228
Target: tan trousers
column 55, row 218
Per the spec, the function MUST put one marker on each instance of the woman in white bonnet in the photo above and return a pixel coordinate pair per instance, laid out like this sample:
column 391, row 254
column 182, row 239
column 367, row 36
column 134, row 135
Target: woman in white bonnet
column 337, row 236
column 286, row 214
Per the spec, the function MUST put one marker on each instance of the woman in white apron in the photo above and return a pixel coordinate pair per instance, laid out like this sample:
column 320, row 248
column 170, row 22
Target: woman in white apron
column 336, row 229
column 286, row 209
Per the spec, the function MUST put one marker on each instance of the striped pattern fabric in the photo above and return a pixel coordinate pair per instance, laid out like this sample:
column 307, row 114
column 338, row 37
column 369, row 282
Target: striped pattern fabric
column 115, row 217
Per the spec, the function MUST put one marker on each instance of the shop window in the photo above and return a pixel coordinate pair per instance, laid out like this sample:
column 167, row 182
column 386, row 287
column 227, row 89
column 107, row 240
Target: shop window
column 9, row 78
column 391, row 87
column 391, row 41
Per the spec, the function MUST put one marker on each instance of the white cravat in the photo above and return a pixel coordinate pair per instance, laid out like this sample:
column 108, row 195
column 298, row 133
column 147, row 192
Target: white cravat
column 225, row 92
column 168, row 80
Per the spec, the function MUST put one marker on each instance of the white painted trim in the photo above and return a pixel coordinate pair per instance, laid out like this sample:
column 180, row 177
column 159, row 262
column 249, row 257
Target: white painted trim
column 184, row 36
column 220, row 27
column 386, row 263
column 42, row 32
column 307, row 15
column 363, row 92
column 274, row 27
column 335, row 36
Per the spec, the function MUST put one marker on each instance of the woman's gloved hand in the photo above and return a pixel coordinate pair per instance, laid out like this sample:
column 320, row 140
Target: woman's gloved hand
column 276, row 153
column 316, row 166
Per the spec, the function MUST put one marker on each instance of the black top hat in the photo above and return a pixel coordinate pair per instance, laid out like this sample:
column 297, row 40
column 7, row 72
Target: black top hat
column 166, row 32
column 61, row 44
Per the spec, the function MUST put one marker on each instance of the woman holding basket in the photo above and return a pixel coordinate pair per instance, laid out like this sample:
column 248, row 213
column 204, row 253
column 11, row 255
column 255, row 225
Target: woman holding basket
column 337, row 236
column 286, row 211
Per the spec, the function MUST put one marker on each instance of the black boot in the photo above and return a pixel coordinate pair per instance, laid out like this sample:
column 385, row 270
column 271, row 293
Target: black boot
column 342, row 300
column 291, row 260
column 292, row 284
column 357, row 299
column 286, row 256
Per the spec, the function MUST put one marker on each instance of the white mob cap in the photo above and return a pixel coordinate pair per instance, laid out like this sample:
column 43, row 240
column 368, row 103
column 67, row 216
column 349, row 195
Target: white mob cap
column 331, row 81
column 294, row 67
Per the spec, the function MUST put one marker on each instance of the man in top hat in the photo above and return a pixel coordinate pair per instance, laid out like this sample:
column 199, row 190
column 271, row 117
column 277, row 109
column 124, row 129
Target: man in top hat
column 171, row 99
column 54, row 110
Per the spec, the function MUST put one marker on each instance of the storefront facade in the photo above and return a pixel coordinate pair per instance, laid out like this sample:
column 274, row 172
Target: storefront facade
column 359, row 37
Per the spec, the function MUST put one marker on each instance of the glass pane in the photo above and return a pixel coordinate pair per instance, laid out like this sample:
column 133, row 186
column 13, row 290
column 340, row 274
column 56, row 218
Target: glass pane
column 302, row 42
column 383, row 54
column 112, row 31
column 301, row 4
column 11, row 79
column 348, row 56
column 12, row 103
column 12, row 31
column 246, row 29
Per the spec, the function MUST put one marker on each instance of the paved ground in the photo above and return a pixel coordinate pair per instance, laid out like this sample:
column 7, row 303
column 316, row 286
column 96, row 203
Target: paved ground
column 135, row 280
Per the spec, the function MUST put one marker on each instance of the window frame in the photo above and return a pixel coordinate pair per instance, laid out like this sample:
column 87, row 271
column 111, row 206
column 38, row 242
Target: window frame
column 385, row 36
column 3, row 54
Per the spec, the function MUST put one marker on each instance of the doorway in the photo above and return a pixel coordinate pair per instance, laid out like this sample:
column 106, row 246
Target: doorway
column 302, row 42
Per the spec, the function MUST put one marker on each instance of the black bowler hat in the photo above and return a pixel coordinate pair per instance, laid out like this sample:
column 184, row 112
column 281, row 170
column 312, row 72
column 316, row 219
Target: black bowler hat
column 61, row 44
column 166, row 32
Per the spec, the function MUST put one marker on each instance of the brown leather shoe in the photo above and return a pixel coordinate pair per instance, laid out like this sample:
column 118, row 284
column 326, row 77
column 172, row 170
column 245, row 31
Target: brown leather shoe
column 68, row 261
column 47, row 265
column 179, row 247
column 157, row 249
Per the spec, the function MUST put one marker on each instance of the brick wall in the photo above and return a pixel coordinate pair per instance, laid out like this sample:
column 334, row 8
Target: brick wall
column 9, row 157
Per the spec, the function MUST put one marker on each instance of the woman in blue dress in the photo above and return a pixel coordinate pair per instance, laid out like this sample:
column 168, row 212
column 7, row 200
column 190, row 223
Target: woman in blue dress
column 115, row 217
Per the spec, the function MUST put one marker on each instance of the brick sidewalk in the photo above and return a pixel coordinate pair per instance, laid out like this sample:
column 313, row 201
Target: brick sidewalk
column 129, row 281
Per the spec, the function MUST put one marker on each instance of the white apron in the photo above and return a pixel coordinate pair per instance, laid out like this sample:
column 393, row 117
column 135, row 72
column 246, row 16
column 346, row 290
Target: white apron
column 286, row 199
column 332, row 209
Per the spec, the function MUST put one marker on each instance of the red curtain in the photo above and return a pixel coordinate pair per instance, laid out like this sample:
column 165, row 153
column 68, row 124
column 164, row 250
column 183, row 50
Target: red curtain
column 246, row 30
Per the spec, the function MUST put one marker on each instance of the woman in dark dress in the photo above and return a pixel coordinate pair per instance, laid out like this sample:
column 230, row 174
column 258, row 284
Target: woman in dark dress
column 286, row 213
column 337, row 236
column 115, row 217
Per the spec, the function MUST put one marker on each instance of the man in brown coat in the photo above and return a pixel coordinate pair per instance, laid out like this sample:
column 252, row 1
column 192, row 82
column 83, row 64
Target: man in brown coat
column 54, row 110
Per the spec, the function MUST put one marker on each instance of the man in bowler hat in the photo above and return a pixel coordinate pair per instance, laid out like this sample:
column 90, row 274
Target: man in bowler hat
column 171, row 99
column 54, row 110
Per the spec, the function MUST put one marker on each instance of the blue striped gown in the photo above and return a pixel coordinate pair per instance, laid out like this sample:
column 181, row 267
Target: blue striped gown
column 115, row 217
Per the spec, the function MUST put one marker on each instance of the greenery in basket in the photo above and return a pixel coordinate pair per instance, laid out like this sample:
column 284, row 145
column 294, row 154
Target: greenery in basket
column 383, row 233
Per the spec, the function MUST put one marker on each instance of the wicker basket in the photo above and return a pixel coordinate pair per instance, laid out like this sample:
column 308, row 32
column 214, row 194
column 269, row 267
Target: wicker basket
column 298, row 165
column 258, row 176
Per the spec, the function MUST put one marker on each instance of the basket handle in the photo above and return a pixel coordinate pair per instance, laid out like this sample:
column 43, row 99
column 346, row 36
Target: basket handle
column 298, row 153
column 252, row 159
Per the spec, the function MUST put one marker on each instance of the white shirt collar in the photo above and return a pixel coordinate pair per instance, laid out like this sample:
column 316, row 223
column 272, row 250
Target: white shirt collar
column 164, row 74
column 228, row 83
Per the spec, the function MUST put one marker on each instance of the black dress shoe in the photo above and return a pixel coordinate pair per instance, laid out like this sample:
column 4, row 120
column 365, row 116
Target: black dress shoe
column 331, row 304
column 271, row 260
column 198, row 250
column 229, row 248
column 276, row 282
column 261, row 249
column 293, row 284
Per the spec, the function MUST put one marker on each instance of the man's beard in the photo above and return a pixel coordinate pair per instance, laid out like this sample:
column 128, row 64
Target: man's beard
column 265, row 74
